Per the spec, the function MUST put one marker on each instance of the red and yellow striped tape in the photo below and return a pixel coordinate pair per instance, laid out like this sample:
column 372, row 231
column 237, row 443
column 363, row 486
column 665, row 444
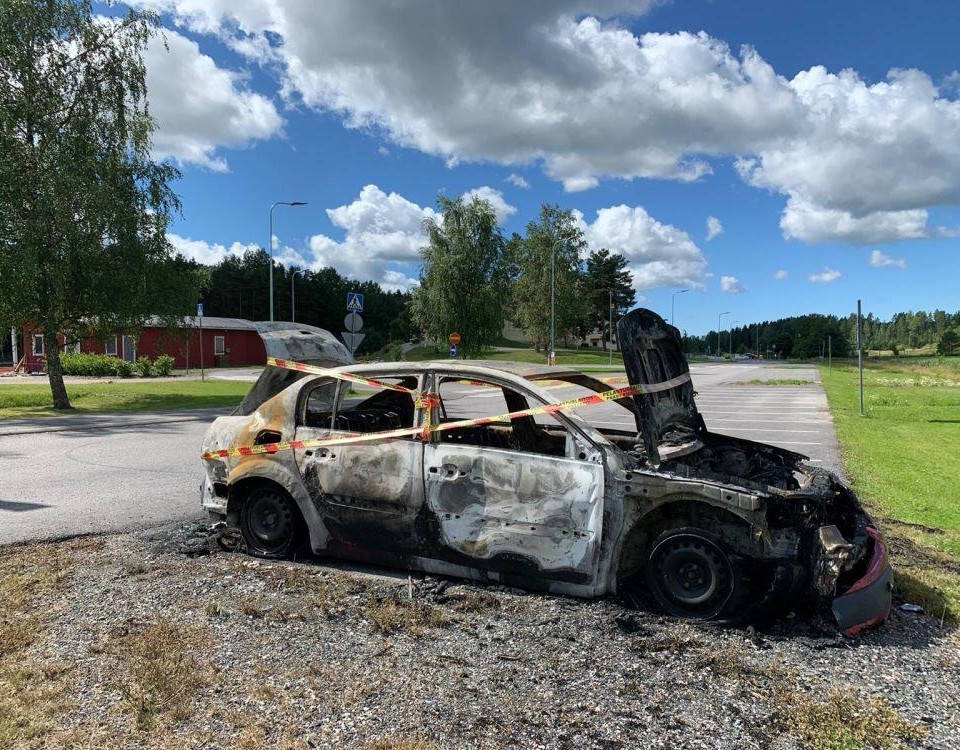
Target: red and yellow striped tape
column 427, row 402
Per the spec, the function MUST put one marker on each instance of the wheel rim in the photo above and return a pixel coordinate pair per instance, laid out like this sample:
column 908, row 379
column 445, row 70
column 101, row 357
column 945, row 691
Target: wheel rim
column 269, row 522
column 692, row 575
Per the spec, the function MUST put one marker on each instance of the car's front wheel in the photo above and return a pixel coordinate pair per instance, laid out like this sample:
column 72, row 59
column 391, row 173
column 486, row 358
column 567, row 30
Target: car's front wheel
column 690, row 574
column 270, row 522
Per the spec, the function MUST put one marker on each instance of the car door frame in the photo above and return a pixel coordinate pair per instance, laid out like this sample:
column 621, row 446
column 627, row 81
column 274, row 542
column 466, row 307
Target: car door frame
column 469, row 527
column 369, row 517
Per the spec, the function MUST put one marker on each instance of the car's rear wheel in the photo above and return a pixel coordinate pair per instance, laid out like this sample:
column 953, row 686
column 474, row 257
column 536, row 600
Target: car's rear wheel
column 270, row 522
column 690, row 574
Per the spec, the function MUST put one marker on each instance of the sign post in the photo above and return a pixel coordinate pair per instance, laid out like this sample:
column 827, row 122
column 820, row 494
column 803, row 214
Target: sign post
column 454, row 341
column 353, row 322
column 200, row 324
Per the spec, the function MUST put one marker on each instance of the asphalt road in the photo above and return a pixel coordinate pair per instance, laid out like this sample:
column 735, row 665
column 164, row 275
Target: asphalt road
column 86, row 474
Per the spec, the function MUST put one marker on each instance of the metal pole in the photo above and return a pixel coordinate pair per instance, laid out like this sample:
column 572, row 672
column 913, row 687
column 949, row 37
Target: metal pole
column 610, row 335
column 860, row 353
column 13, row 346
column 673, row 299
column 200, row 323
column 273, row 206
column 718, row 330
column 553, row 284
column 830, row 353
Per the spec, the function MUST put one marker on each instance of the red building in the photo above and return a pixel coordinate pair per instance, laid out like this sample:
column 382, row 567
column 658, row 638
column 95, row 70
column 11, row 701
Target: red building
column 226, row 342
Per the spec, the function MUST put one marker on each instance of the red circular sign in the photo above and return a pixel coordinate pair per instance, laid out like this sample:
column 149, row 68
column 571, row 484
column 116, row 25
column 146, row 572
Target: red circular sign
column 454, row 338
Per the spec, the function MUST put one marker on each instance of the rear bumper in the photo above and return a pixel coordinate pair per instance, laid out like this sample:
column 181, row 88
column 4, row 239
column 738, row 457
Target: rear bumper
column 868, row 601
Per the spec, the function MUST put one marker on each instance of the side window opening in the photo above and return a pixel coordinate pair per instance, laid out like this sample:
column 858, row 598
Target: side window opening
column 364, row 408
column 615, row 420
column 318, row 409
column 461, row 400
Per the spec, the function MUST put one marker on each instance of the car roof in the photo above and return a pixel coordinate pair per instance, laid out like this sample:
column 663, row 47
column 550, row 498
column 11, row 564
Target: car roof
column 526, row 370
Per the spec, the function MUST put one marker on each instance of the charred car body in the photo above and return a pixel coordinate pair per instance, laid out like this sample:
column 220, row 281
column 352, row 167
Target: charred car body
column 702, row 525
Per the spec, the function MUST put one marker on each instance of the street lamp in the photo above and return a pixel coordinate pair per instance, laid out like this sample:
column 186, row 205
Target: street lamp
column 553, row 299
column 273, row 206
column 293, row 292
column 718, row 330
column 672, row 300
column 731, row 336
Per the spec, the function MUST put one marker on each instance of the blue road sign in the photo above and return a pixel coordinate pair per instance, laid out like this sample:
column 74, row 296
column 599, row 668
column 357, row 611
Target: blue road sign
column 199, row 309
column 354, row 302
column 453, row 350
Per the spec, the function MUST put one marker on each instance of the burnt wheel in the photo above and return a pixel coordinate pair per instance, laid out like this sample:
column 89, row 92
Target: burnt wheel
column 270, row 523
column 691, row 575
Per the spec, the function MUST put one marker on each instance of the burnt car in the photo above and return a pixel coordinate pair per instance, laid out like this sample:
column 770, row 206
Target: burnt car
column 632, row 497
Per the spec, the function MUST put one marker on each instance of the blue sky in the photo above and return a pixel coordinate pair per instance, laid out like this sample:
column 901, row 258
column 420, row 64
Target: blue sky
column 822, row 137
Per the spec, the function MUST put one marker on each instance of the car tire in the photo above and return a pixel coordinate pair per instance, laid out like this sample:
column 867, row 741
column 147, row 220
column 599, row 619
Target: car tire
column 270, row 523
column 690, row 573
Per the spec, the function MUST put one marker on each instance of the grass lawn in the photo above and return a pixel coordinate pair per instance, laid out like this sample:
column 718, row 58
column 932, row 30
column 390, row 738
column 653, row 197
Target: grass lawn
column 24, row 401
column 903, row 458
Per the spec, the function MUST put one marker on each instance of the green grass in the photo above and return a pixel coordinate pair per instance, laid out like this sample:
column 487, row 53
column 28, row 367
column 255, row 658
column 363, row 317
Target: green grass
column 903, row 458
column 780, row 381
column 24, row 401
column 564, row 356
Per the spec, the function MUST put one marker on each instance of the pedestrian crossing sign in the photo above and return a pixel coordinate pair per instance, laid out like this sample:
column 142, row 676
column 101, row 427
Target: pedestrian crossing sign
column 354, row 302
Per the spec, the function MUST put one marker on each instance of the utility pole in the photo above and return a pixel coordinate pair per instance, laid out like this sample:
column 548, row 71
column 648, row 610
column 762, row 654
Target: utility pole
column 718, row 330
column 278, row 203
column 860, row 352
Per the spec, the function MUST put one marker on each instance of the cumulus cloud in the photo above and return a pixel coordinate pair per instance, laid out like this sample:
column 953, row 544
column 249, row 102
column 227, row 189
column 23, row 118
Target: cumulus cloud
column 882, row 260
column 200, row 107
column 781, row 274
column 731, row 285
column 563, row 84
column 658, row 254
column 714, row 227
column 517, row 180
column 495, row 198
column 825, row 276
column 205, row 252
column 383, row 234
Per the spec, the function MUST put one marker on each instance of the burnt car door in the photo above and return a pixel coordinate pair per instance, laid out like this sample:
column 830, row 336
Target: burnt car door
column 523, row 497
column 367, row 494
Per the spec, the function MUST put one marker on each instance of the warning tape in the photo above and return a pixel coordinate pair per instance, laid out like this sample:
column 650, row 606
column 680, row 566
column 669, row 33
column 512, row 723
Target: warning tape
column 287, row 364
column 427, row 402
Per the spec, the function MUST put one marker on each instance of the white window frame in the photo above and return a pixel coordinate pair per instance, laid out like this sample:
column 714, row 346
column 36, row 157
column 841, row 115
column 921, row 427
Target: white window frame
column 37, row 338
column 106, row 346
column 219, row 345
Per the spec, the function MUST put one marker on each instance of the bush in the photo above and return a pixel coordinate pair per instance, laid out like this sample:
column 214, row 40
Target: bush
column 94, row 365
column 163, row 365
column 143, row 367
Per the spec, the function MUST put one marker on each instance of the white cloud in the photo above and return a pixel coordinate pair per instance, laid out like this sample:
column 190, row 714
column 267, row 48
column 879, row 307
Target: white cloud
column 563, row 84
column 383, row 151
column 495, row 198
column 882, row 260
column 815, row 224
column 517, row 180
column 383, row 233
column 714, row 227
column 825, row 276
column 781, row 274
column 658, row 254
column 204, row 252
column 200, row 107
column 731, row 285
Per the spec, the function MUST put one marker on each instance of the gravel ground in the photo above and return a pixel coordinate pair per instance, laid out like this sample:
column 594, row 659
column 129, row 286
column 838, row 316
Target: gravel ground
column 166, row 639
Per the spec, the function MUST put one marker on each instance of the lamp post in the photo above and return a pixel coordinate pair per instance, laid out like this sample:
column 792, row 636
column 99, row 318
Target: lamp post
column 553, row 298
column 718, row 330
column 731, row 336
column 293, row 293
column 673, row 298
column 273, row 206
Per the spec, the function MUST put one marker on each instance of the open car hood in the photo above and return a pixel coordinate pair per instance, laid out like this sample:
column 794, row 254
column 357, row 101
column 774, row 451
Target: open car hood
column 668, row 421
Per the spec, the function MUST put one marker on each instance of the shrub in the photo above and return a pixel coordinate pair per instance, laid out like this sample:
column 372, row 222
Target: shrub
column 94, row 365
column 143, row 367
column 163, row 365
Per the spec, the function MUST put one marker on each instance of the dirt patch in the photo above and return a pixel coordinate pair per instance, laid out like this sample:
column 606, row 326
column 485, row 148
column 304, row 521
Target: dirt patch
column 136, row 644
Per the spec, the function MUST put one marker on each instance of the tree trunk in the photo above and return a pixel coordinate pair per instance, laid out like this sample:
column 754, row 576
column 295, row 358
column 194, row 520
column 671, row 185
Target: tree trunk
column 54, row 369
